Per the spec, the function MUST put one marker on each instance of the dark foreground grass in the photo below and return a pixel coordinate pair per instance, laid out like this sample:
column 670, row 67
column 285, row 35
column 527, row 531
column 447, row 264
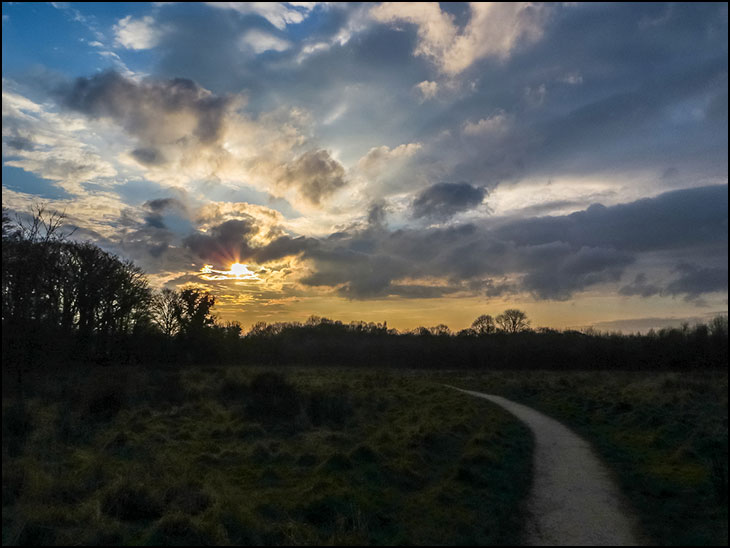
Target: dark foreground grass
column 664, row 434
column 246, row 456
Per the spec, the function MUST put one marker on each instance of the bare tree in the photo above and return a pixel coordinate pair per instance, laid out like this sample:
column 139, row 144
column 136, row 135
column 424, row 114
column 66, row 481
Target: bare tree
column 167, row 308
column 484, row 325
column 44, row 226
column 513, row 321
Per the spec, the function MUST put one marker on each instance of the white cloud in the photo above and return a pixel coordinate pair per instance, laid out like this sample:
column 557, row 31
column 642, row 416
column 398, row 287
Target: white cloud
column 494, row 29
column 311, row 49
column 50, row 145
column 494, row 124
column 137, row 34
column 380, row 159
column 427, row 89
column 261, row 41
column 279, row 14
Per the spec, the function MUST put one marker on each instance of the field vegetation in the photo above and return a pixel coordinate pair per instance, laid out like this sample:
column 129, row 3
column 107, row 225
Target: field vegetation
column 222, row 455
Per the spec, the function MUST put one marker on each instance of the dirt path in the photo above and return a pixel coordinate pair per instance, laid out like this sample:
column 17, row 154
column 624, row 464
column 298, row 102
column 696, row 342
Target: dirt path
column 573, row 500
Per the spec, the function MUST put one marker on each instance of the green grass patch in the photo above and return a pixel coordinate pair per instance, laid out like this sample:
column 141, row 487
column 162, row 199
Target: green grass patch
column 224, row 455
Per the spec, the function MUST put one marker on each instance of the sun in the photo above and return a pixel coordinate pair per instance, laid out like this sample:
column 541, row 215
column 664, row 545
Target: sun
column 238, row 269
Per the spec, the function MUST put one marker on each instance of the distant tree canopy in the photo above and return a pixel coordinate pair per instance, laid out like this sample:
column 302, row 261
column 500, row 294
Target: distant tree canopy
column 69, row 301
column 513, row 321
column 484, row 325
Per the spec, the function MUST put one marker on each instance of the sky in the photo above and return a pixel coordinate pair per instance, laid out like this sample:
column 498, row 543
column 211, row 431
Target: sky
column 414, row 163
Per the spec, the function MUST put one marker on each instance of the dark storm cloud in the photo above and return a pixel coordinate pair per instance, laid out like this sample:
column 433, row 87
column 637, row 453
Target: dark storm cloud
column 223, row 243
column 682, row 218
column 444, row 200
column 160, row 204
column 144, row 109
column 231, row 241
column 148, row 156
column 641, row 287
column 692, row 281
column 549, row 257
column 284, row 246
column 156, row 209
column 561, row 274
column 695, row 280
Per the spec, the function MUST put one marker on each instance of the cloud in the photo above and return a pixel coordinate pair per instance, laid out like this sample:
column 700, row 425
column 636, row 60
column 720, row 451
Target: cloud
column 673, row 220
column 592, row 248
column 51, row 145
column 185, row 133
column 377, row 213
column 494, row 124
column 315, row 174
column 225, row 243
column 156, row 112
column 279, row 14
column 427, row 89
column 149, row 156
column 694, row 280
column 383, row 158
column 159, row 206
column 641, row 287
column 564, row 271
column 137, row 34
column 260, row 41
column 494, row 29
column 444, row 200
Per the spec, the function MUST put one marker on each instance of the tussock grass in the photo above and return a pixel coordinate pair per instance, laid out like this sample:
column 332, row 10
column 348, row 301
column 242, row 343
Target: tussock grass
column 223, row 455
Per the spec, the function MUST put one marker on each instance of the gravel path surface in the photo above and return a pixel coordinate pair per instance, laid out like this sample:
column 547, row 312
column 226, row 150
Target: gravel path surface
column 573, row 501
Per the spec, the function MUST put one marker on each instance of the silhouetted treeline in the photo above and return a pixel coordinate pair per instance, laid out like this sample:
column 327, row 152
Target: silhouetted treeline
column 65, row 301
column 334, row 343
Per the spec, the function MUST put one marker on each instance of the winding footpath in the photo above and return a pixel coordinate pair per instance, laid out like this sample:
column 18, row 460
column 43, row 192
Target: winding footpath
column 573, row 501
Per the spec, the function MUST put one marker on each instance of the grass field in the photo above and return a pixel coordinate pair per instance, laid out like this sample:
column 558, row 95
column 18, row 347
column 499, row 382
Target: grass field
column 665, row 435
column 243, row 456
